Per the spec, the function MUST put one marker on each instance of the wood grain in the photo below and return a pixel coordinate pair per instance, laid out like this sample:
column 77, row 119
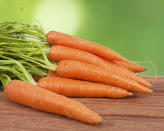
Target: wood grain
column 137, row 113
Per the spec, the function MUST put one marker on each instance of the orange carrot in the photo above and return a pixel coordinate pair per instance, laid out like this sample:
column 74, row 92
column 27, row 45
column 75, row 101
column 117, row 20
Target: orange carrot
column 63, row 39
column 122, row 71
column 58, row 52
column 131, row 66
column 77, row 88
column 45, row 100
column 85, row 71
column 51, row 73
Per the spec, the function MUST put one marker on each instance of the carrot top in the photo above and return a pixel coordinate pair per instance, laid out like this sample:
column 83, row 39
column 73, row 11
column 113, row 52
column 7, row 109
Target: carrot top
column 23, row 52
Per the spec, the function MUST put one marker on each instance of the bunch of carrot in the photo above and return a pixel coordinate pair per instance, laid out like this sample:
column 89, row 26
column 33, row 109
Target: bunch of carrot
column 81, row 68
column 85, row 60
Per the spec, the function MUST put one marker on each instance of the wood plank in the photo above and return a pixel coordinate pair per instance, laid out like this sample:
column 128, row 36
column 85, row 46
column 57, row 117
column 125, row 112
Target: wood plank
column 137, row 113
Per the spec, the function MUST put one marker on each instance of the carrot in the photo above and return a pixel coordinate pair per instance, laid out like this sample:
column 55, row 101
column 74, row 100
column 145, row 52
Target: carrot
column 45, row 100
column 85, row 71
column 122, row 71
column 58, row 52
column 63, row 39
column 131, row 66
column 77, row 88
column 51, row 73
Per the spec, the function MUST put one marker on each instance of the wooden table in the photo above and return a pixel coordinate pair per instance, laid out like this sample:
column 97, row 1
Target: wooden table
column 137, row 113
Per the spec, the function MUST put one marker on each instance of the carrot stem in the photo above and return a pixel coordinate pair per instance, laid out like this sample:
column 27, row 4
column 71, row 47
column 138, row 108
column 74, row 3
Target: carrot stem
column 26, row 74
column 4, row 78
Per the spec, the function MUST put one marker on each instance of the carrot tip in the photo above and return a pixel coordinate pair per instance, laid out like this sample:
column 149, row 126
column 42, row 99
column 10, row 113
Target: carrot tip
column 101, row 121
column 130, row 94
column 149, row 91
column 144, row 69
column 149, row 85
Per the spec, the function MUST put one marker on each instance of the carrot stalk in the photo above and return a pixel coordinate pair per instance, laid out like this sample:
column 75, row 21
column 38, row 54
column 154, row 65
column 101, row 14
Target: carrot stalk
column 77, row 88
column 85, row 71
column 45, row 100
column 63, row 39
column 58, row 53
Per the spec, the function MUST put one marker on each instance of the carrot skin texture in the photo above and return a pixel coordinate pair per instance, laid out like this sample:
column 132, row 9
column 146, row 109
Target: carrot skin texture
column 85, row 71
column 45, row 100
column 58, row 53
column 131, row 66
column 77, row 88
column 63, row 39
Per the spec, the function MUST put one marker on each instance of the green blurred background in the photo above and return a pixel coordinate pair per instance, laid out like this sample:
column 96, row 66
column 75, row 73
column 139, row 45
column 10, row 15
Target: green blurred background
column 134, row 28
